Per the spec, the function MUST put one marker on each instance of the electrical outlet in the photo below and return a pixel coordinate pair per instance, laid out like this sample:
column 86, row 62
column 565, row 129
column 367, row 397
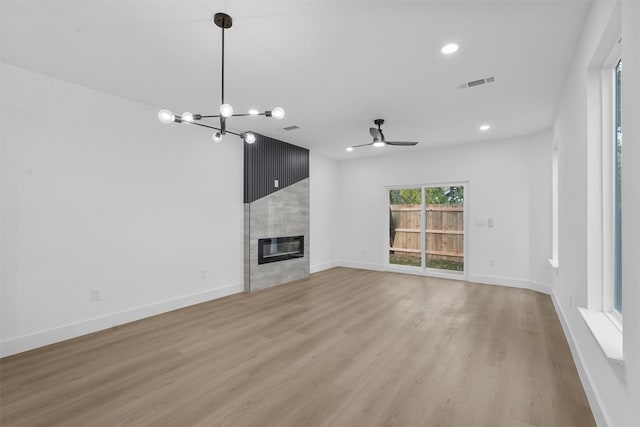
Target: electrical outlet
column 203, row 274
column 492, row 263
column 96, row 295
column 276, row 184
column 570, row 301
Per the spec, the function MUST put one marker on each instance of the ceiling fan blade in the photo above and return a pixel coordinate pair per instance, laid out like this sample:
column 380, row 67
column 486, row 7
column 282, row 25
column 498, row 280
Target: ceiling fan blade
column 376, row 134
column 402, row 143
column 361, row 145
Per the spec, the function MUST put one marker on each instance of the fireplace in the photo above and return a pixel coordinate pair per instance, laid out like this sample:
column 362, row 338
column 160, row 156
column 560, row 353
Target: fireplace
column 280, row 249
column 276, row 213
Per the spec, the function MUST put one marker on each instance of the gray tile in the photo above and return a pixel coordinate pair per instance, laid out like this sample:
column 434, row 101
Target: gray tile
column 283, row 213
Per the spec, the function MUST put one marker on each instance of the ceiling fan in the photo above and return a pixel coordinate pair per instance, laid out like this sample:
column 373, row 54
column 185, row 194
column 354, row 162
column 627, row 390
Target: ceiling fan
column 378, row 138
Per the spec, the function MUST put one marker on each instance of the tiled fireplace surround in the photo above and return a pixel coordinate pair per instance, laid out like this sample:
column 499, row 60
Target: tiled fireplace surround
column 282, row 213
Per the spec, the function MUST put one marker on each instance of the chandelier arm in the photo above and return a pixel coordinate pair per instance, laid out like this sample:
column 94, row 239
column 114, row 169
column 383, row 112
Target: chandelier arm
column 200, row 124
column 212, row 127
column 247, row 114
column 235, row 115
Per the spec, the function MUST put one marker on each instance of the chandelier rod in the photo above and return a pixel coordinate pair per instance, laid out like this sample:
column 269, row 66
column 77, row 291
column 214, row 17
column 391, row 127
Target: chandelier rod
column 222, row 65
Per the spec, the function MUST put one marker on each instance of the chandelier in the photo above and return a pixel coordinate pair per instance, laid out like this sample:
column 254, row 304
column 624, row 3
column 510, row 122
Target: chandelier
column 223, row 21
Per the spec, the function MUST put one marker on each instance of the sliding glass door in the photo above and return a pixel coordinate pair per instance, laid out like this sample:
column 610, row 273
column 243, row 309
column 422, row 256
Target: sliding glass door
column 426, row 228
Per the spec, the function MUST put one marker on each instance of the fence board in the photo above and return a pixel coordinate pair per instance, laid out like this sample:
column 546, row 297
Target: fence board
column 405, row 250
column 444, row 231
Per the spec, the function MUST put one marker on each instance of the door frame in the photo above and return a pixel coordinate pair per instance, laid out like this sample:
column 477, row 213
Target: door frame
column 423, row 270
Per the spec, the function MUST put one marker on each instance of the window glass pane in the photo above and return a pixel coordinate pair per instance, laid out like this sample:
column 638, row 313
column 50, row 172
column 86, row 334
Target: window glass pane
column 618, row 193
column 404, row 226
column 445, row 228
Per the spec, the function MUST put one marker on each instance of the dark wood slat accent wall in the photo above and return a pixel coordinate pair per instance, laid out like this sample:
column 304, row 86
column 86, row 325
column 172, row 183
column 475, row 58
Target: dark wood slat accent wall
column 269, row 159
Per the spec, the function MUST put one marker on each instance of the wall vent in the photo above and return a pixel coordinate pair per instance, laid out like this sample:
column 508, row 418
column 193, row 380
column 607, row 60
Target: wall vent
column 479, row 82
column 289, row 128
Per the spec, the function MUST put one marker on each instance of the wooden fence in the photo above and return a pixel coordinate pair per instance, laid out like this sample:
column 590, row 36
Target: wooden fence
column 444, row 231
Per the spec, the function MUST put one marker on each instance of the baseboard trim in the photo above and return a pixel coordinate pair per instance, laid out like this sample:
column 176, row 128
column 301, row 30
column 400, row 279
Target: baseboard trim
column 431, row 273
column 321, row 267
column 475, row 278
column 510, row 282
column 599, row 414
column 360, row 265
column 73, row 330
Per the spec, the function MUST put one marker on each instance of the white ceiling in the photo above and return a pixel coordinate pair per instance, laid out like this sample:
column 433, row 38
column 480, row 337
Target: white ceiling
column 335, row 66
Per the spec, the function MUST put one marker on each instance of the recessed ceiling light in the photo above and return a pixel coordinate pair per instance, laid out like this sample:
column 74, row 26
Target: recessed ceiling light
column 485, row 127
column 449, row 48
column 254, row 112
column 349, row 149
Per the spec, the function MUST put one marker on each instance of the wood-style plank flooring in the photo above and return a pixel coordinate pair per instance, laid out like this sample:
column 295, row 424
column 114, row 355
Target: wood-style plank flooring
column 342, row 348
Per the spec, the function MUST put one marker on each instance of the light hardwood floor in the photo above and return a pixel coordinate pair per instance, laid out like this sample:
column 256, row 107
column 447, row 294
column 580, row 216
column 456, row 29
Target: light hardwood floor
column 343, row 348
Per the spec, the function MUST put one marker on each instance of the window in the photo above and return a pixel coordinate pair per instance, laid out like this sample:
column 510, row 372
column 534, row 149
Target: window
column 617, row 191
column 610, row 142
column 554, row 206
column 405, row 219
column 603, row 314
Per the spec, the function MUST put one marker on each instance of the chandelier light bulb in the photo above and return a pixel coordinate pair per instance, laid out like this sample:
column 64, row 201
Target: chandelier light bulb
column 166, row 117
column 449, row 48
column 249, row 138
column 187, row 117
column 277, row 113
column 216, row 137
column 254, row 112
column 226, row 110
column 379, row 144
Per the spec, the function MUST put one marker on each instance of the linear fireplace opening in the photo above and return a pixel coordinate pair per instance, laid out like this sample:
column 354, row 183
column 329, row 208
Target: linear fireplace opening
column 275, row 249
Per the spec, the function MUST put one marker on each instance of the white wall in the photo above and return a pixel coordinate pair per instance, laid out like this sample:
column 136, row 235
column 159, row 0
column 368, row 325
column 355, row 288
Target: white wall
column 504, row 177
column 323, row 199
column 614, row 402
column 97, row 194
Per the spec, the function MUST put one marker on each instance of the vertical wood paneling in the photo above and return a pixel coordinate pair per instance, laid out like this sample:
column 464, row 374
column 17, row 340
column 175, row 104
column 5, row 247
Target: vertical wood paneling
column 269, row 159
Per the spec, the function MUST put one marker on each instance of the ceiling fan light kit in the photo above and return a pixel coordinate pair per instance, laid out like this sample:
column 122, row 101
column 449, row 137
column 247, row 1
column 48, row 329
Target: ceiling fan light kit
column 379, row 140
column 225, row 111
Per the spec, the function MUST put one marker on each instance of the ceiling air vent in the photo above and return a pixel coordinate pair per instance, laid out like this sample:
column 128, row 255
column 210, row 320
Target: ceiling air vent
column 478, row 82
column 289, row 128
